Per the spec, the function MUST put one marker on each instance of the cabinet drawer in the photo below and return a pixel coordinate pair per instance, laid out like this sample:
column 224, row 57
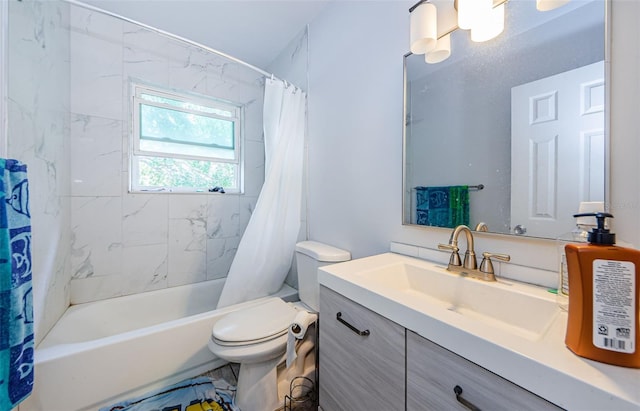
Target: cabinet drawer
column 433, row 372
column 359, row 372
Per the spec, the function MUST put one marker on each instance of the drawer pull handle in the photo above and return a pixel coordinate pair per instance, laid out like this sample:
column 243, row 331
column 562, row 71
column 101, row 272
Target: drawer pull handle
column 351, row 327
column 458, row 390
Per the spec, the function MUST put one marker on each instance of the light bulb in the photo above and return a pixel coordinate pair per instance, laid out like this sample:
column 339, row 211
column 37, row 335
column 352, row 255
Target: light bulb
column 546, row 5
column 469, row 11
column 491, row 24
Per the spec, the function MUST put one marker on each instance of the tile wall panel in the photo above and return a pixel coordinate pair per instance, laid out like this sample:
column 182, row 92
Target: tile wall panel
column 38, row 135
column 127, row 243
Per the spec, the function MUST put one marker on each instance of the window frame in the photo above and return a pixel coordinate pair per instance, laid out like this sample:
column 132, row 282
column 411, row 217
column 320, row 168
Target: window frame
column 237, row 117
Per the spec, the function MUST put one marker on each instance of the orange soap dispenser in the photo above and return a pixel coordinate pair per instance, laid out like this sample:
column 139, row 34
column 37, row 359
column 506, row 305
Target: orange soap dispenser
column 604, row 312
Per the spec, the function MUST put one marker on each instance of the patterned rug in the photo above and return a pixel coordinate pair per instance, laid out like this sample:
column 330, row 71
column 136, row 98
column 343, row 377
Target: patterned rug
column 197, row 394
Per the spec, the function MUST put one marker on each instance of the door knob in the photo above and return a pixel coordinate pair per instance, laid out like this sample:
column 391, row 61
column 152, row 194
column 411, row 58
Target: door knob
column 519, row 229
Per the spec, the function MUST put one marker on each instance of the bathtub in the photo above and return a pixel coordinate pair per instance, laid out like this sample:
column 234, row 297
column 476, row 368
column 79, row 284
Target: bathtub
column 104, row 351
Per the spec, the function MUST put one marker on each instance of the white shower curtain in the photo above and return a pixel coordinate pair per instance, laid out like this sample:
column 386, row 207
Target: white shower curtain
column 266, row 249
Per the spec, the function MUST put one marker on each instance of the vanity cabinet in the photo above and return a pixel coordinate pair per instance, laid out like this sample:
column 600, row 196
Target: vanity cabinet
column 438, row 379
column 359, row 372
column 366, row 361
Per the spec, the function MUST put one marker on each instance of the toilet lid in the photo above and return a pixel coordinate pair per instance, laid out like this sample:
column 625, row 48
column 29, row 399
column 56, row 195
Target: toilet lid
column 264, row 321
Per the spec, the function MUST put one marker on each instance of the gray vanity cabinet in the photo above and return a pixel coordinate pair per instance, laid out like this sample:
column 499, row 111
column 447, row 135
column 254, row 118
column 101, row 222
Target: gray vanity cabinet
column 433, row 373
column 367, row 360
column 359, row 372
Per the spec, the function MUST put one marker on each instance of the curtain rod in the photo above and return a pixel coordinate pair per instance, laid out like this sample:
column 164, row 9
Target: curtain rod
column 171, row 35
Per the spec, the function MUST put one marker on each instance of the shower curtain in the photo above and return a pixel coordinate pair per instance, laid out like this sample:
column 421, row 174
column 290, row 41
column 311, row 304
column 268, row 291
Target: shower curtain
column 266, row 249
column 16, row 311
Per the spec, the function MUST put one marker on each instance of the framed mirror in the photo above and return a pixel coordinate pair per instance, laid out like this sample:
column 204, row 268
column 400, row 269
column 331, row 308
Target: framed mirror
column 510, row 136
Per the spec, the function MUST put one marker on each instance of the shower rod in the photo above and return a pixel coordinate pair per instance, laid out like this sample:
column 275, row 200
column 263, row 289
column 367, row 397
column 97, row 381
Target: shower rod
column 171, row 35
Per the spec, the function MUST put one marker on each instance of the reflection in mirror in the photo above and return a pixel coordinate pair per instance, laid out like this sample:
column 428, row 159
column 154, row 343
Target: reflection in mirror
column 523, row 115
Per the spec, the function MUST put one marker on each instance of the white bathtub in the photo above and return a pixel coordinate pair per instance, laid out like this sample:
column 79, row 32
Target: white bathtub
column 108, row 350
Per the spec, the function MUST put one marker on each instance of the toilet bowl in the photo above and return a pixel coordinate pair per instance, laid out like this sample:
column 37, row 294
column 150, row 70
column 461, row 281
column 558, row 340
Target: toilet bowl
column 256, row 337
column 256, row 334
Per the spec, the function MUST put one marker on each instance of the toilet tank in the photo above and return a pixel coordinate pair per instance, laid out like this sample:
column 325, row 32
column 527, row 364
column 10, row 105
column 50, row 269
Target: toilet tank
column 311, row 255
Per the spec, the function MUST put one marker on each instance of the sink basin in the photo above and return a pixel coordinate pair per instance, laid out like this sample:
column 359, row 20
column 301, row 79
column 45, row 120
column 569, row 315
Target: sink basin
column 516, row 308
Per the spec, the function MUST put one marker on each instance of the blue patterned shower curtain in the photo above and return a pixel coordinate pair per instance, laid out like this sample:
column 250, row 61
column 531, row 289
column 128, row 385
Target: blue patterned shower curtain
column 16, row 310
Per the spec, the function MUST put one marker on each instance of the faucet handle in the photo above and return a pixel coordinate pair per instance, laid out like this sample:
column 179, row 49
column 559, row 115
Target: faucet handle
column 449, row 247
column 455, row 257
column 486, row 266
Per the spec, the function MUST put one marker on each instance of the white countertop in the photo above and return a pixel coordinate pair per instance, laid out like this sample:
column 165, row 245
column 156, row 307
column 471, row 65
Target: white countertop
column 541, row 365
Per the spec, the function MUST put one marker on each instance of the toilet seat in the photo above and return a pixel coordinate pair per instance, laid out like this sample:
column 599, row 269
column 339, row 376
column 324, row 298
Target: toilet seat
column 264, row 322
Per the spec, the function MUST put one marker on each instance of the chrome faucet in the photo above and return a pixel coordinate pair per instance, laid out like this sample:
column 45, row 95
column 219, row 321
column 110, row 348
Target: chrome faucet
column 482, row 226
column 470, row 261
column 470, row 266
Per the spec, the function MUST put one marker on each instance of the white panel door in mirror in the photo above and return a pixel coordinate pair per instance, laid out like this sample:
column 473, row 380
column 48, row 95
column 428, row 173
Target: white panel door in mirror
column 557, row 128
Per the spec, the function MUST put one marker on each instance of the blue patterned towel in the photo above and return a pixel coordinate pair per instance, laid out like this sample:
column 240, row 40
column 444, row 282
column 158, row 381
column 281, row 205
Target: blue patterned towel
column 16, row 310
column 197, row 394
column 442, row 206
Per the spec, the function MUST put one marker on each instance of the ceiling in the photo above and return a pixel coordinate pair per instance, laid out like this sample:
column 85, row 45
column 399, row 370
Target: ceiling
column 255, row 31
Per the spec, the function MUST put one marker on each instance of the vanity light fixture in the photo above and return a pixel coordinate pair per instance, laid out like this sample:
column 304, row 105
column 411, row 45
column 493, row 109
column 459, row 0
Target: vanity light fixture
column 546, row 5
column 441, row 52
column 433, row 21
column 472, row 12
column 490, row 25
column 424, row 28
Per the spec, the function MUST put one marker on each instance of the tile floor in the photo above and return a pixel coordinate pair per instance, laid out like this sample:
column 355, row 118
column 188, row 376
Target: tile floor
column 228, row 372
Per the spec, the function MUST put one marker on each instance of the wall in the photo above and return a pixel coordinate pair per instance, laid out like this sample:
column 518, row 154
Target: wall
column 4, row 33
column 355, row 124
column 38, row 135
column 355, row 133
column 291, row 63
column 625, row 127
column 127, row 243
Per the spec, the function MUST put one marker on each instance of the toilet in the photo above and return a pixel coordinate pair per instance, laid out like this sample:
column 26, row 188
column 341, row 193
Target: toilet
column 256, row 337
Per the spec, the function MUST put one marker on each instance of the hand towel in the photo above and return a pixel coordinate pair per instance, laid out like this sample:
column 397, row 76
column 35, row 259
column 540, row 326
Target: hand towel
column 16, row 310
column 446, row 206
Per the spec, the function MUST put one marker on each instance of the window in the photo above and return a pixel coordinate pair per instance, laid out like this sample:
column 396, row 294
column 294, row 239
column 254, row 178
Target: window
column 184, row 143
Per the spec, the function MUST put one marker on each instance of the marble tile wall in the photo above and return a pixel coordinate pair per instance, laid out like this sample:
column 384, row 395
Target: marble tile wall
column 38, row 135
column 124, row 243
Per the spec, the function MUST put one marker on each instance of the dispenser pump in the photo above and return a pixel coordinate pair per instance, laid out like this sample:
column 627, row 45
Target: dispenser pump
column 604, row 304
column 599, row 234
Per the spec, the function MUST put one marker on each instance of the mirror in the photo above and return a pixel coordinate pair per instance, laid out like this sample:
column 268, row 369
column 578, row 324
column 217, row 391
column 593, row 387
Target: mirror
column 520, row 120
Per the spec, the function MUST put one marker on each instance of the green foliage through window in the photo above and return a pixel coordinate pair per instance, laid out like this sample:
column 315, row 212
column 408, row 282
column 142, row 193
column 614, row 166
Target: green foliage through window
column 178, row 173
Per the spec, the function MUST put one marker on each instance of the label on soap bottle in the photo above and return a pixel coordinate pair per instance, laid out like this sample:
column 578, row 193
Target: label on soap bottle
column 614, row 316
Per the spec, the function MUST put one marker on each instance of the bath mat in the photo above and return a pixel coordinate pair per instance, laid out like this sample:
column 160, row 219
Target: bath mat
column 197, row 394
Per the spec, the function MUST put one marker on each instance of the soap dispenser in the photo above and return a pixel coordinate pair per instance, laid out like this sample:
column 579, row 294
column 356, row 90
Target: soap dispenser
column 603, row 323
